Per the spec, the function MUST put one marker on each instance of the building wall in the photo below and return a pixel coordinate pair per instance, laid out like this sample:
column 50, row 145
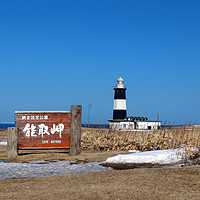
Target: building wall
column 141, row 125
column 149, row 125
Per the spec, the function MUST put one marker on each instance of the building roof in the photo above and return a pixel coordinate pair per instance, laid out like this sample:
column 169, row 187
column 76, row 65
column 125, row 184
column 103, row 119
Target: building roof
column 134, row 119
column 121, row 120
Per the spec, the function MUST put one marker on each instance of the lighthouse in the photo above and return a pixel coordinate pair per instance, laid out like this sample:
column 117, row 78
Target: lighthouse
column 120, row 120
column 119, row 110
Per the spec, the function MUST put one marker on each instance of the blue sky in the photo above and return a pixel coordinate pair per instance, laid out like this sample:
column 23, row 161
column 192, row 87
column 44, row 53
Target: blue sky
column 57, row 53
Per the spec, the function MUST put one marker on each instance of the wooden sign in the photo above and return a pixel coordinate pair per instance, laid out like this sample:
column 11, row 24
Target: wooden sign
column 43, row 129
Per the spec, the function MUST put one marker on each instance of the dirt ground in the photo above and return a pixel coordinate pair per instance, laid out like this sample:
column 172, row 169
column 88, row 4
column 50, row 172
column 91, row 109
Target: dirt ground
column 145, row 183
column 25, row 155
column 86, row 156
column 153, row 183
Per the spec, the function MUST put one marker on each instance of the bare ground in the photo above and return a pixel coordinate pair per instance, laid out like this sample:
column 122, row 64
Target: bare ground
column 87, row 156
column 154, row 183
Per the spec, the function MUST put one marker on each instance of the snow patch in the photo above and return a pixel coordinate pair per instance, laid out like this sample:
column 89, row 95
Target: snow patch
column 43, row 168
column 3, row 142
column 169, row 156
column 134, row 151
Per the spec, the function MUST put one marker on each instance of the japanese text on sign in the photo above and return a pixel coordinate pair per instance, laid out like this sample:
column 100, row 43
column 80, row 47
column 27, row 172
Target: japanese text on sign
column 30, row 130
column 32, row 117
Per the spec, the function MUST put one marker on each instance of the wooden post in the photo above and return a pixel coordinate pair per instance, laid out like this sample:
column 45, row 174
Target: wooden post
column 75, row 133
column 12, row 151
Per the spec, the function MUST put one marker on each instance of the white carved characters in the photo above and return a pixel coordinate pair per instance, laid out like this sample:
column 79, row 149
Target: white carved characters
column 30, row 130
column 58, row 128
column 43, row 129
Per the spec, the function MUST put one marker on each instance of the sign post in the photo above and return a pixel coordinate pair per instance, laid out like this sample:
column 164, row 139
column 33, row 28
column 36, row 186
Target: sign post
column 75, row 137
column 12, row 151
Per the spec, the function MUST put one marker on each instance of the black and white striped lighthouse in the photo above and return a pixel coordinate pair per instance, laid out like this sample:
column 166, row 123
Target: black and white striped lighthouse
column 119, row 110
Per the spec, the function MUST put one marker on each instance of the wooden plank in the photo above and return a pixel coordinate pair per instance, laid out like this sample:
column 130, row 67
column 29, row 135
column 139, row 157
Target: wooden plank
column 43, row 112
column 75, row 136
column 12, row 150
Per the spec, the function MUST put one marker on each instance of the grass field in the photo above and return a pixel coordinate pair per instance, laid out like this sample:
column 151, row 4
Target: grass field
column 97, row 144
column 166, row 138
column 105, row 139
column 101, row 140
column 137, row 184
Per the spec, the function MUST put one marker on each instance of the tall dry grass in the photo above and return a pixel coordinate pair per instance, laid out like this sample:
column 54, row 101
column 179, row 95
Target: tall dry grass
column 167, row 138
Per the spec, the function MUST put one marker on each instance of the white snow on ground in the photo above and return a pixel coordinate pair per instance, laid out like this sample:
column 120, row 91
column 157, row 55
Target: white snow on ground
column 134, row 151
column 3, row 142
column 54, row 168
column 169, row 156
column 37, row 169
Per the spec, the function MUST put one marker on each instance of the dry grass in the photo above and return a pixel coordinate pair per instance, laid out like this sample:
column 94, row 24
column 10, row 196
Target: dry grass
column 104, row 140
column 158, row 183
column 3, row 132
column 167, row 138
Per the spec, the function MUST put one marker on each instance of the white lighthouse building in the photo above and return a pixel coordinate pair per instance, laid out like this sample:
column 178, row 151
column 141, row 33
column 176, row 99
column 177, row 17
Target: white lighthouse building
column 120, row 120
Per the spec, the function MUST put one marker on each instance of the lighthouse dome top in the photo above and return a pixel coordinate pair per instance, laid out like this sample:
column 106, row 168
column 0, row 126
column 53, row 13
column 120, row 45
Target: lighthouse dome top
column 120, row 79
column 120, row 82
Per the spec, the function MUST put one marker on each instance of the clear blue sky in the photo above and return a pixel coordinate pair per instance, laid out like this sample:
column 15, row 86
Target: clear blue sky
column 55, row 53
